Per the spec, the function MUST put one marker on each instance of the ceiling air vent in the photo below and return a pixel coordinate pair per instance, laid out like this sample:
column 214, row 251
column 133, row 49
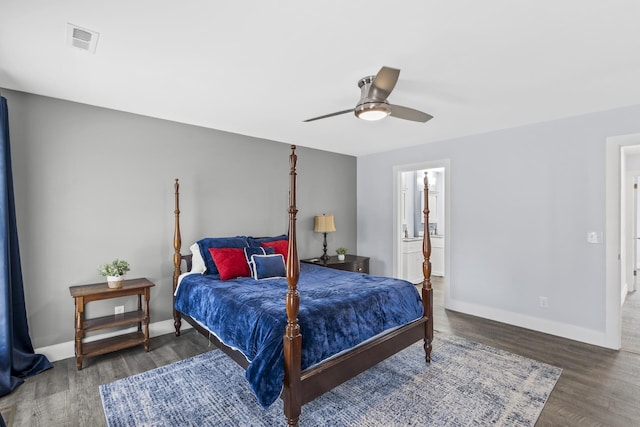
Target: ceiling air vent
column 82, row 38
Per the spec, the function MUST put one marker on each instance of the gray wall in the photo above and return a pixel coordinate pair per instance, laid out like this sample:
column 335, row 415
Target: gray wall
column 93, row 184
column 521, row 203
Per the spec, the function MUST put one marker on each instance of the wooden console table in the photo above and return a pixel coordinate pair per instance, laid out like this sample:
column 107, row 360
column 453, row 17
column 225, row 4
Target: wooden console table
column 84, row 294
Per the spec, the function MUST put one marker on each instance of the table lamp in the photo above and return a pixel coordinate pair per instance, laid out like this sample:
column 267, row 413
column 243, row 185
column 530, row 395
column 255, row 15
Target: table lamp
column 324, row 224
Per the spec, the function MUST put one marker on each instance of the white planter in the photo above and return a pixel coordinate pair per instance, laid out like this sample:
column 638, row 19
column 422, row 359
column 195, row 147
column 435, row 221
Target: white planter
column 341, row 257
column 115, row 282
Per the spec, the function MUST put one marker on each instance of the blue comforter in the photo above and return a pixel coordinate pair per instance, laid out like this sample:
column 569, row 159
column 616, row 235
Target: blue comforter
column 338, row 310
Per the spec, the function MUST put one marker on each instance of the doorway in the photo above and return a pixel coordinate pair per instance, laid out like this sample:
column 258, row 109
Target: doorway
column 633, row 265
column 408, row 227
column 619, row 224
column 630, row 265
column 636, row 231
column 630, row 165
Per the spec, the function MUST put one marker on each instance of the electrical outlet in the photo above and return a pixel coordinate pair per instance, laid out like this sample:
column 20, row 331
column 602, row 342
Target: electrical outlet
column 544, row 302
column 119, row 309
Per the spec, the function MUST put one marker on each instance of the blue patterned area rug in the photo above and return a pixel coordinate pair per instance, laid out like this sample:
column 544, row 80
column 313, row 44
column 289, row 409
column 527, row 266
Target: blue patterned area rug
column 466, row 384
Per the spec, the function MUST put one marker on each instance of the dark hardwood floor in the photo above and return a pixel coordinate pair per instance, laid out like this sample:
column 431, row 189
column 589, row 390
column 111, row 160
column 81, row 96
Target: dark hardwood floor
column 631, row 323
column 598, row 387
column 63, row 396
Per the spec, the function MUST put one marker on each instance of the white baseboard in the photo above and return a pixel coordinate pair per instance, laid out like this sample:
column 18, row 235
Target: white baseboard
column 67, row 349
column 572, row 332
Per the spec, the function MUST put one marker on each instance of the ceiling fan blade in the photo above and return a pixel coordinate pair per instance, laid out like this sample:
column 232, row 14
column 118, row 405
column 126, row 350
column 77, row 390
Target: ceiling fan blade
column 329, row 115
column 407, row 113
column 384, row 83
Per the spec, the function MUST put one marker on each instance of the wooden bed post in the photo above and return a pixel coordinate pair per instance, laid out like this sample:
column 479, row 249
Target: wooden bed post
column 301, row 387
column 292, row 392
column 177, row 258
column 427, row 291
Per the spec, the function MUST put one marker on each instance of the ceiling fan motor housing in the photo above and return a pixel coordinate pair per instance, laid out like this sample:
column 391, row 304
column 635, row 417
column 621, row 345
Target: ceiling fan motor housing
column 369, row 107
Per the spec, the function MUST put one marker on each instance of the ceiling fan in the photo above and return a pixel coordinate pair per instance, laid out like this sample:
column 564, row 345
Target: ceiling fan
column 373, row 104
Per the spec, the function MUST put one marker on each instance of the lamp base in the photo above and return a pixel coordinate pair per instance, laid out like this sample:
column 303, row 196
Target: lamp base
column 324, row 256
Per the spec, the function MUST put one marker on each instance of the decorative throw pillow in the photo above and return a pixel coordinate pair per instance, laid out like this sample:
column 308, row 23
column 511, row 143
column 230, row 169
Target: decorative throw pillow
column 230, row 262
column 268, row 266
column 257, row 241
column 248, row 252
column 252, row 251
column 279, row 246
column 218, row 242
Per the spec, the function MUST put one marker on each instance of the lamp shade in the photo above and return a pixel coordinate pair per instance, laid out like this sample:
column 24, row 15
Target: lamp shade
column 324, row 224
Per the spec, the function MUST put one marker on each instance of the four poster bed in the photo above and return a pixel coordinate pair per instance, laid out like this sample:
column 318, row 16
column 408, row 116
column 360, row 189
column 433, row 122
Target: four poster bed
column 350, row 321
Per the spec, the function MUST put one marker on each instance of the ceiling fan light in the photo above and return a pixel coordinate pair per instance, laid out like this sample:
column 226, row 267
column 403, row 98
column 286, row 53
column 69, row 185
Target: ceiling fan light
column 372, row 112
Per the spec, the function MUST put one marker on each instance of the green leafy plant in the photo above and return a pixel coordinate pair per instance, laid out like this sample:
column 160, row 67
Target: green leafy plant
column 117, row 268
column 341, row 251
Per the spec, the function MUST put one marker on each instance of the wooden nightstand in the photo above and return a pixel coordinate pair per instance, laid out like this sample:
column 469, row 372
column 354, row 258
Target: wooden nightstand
column 84, row 294
column 354, row 263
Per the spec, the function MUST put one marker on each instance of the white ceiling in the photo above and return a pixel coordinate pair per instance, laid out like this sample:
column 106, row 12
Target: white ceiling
column 260, row 68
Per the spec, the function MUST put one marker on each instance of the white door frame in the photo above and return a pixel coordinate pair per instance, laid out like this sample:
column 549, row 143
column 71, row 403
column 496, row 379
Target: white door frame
column 397, row 216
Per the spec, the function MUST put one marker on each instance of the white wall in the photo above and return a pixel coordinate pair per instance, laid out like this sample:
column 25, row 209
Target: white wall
column 521, row 203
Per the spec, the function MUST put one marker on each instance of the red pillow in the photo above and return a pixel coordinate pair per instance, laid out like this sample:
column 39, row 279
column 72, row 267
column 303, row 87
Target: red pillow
column 279, row 246
column 231, row 262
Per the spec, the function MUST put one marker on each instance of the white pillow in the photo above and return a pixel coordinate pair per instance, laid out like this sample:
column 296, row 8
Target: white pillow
column 197, row 263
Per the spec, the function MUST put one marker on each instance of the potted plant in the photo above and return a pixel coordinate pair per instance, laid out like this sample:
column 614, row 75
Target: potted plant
column 341, row 252
column 114, row 272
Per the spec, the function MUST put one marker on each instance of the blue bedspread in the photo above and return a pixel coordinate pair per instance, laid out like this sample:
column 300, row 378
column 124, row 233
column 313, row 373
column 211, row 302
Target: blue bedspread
column 338, row 310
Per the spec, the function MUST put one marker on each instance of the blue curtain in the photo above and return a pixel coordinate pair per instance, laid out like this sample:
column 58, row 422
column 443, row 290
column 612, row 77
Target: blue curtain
column 17, row 359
